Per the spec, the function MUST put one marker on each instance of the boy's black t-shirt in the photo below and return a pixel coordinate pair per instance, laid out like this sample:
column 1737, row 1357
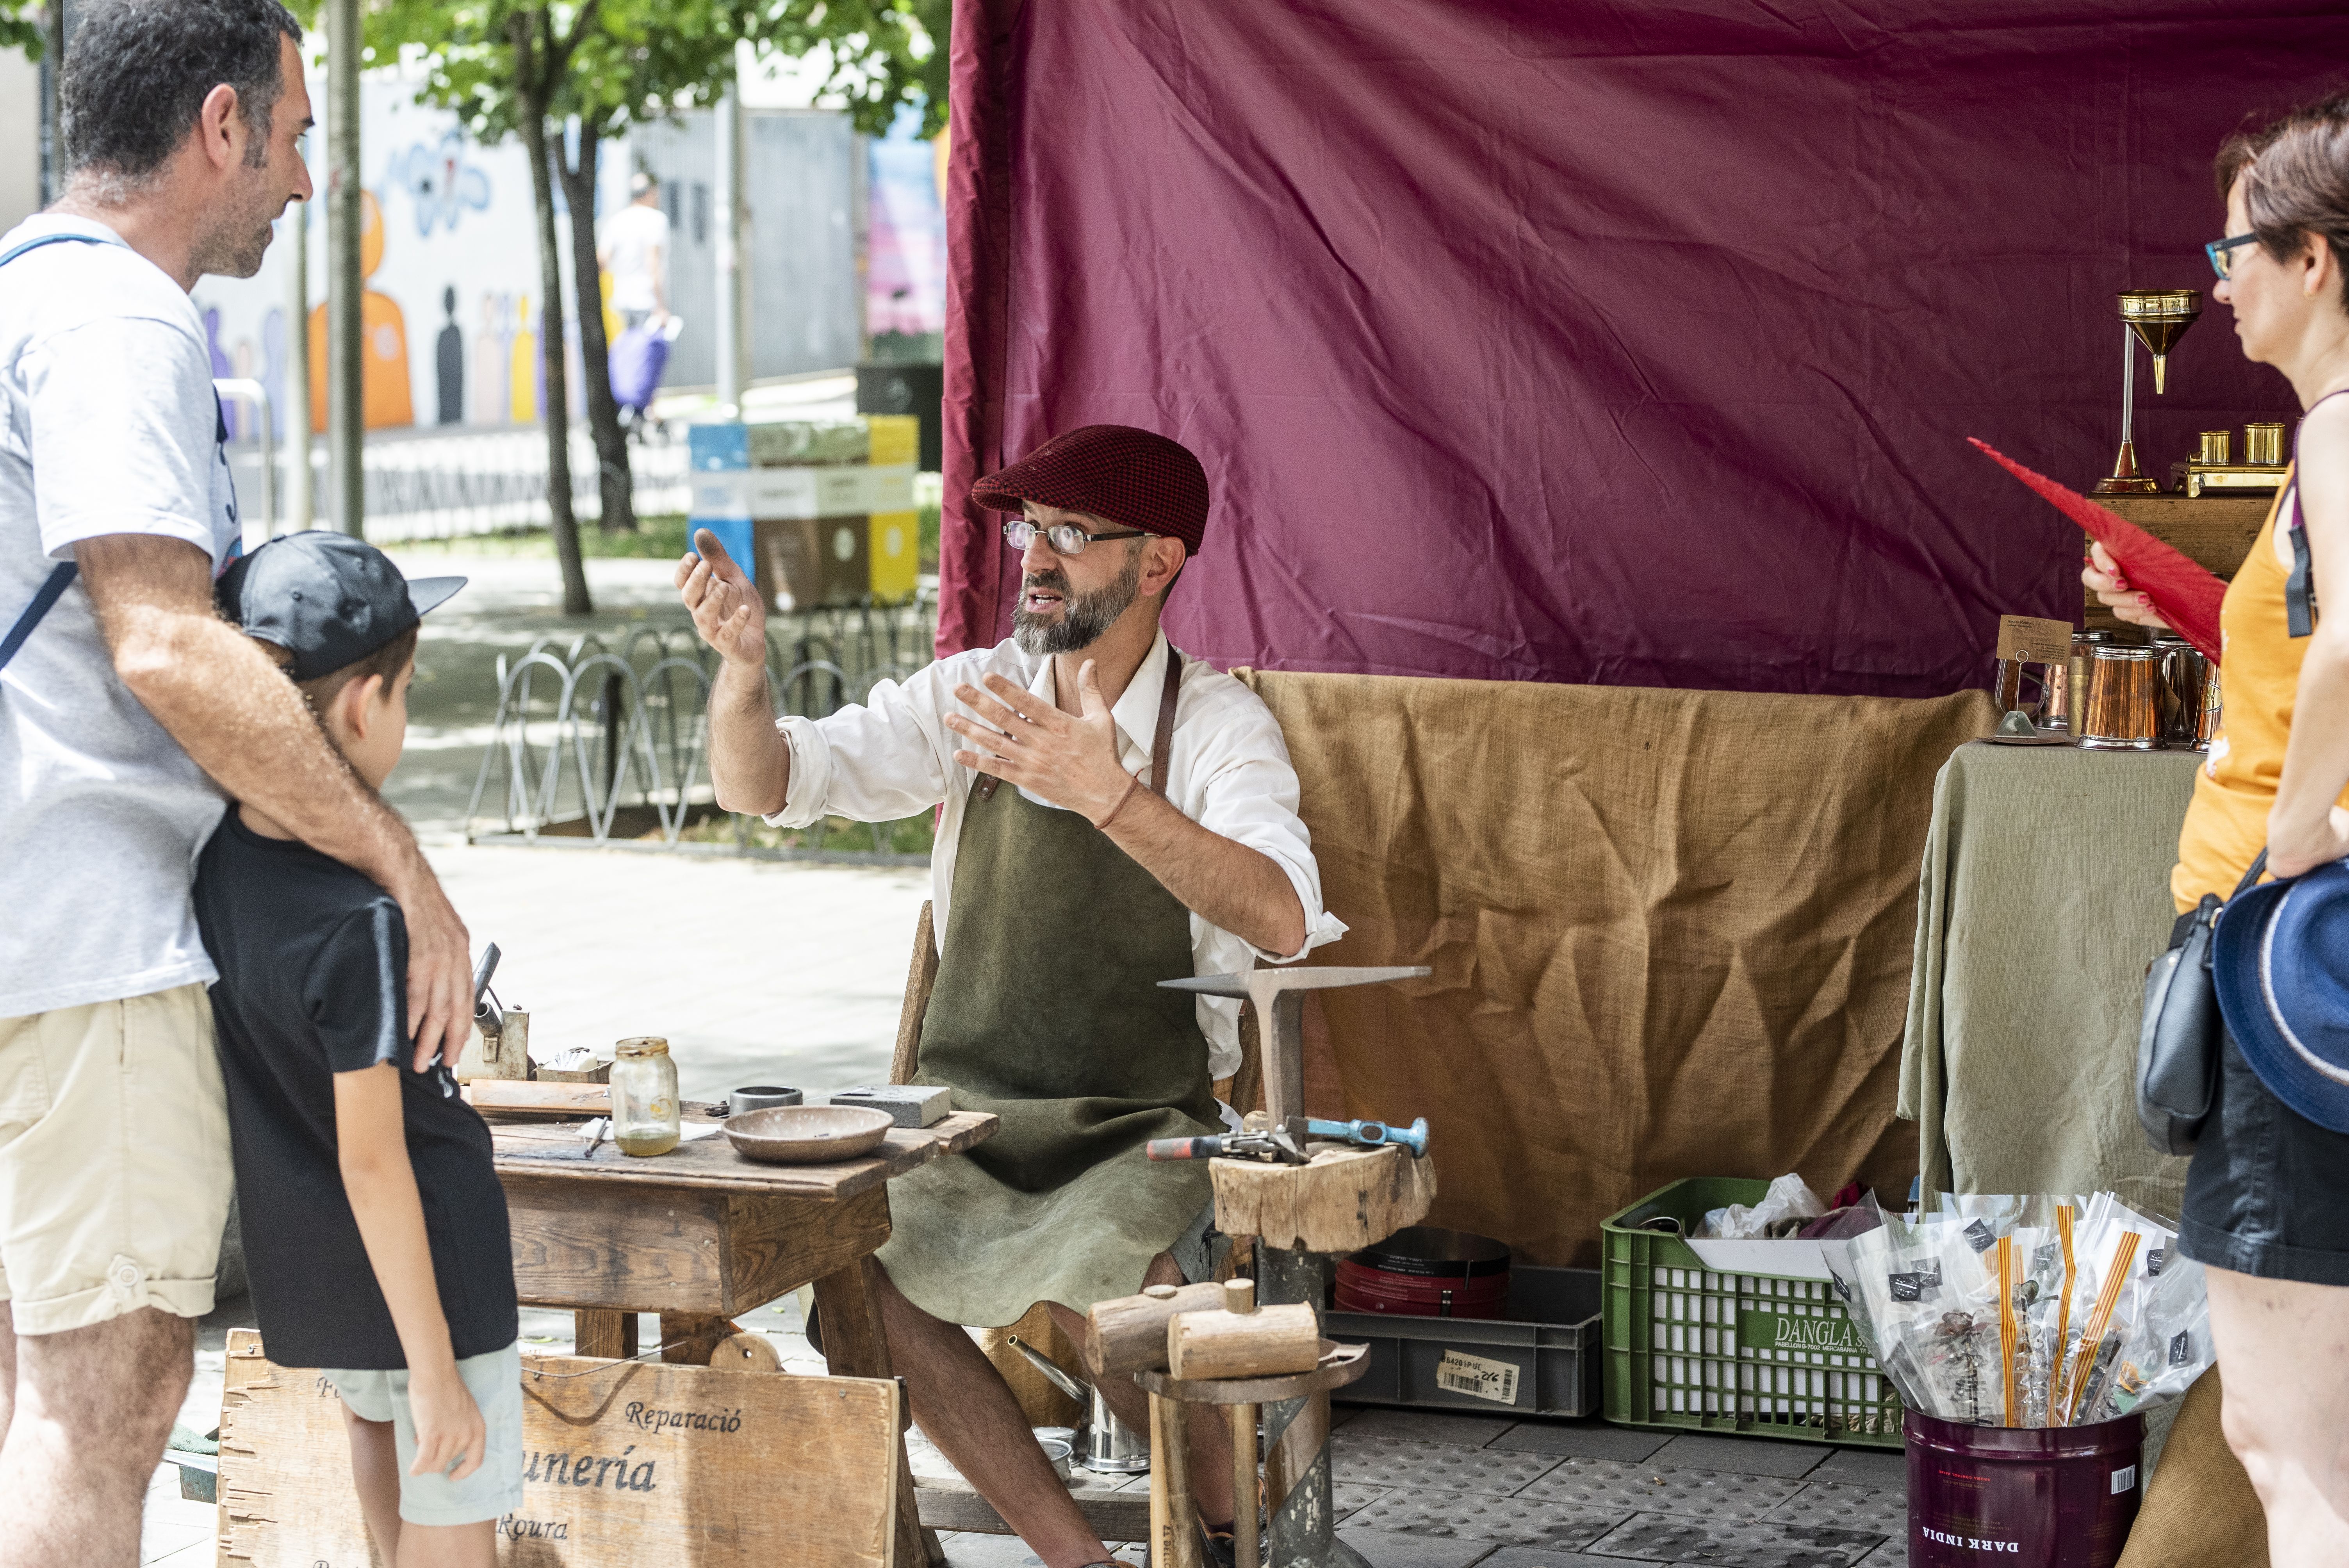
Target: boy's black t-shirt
column 313, row 960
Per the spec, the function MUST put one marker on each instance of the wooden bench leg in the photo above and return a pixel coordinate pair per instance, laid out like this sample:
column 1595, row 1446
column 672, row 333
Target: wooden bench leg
column 689, row 1338
column 856, row 1346
column 609, row 1334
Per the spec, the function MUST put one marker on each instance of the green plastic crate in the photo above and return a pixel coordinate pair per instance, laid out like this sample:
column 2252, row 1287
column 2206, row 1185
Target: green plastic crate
column 1692, row 1350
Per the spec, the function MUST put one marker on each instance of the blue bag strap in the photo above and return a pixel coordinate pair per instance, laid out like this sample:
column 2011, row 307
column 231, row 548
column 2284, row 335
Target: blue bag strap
column 61, row 578
column 52, row 588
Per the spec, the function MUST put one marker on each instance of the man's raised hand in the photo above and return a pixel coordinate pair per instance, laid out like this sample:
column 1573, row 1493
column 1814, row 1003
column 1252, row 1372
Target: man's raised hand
column 728, row 611
column 1069, row 760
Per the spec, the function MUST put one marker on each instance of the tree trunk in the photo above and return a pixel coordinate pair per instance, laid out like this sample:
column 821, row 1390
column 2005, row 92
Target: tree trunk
column 613, row 481
column 556, row 406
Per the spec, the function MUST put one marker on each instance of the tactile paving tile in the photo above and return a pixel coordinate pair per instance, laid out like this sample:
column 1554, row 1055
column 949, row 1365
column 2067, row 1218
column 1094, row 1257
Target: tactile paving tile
column 1345, row 1500
column 1707, row 1494
column 1840, row 1507
column 1663, row 1538
column 1891, row 1554
column 1514, row 1521
column 1391, row 1461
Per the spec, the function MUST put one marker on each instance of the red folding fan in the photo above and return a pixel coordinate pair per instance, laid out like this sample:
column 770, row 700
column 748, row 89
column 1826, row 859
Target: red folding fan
column 2184, row 594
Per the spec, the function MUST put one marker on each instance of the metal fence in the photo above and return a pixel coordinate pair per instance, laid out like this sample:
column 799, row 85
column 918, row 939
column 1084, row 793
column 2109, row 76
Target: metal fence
column 609, row 743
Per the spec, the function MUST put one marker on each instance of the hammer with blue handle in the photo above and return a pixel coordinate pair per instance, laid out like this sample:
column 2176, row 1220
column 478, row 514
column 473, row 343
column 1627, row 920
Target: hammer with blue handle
column 1375, row 1134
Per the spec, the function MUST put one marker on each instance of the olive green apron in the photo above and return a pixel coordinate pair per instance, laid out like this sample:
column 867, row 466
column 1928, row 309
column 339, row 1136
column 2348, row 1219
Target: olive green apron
column 1048, row 1014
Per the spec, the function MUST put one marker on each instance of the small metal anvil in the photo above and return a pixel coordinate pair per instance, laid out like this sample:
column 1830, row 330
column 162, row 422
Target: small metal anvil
column 1280, row 998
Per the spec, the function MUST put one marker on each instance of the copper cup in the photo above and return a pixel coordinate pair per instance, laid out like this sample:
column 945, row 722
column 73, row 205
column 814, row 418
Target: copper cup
column 2119, row 709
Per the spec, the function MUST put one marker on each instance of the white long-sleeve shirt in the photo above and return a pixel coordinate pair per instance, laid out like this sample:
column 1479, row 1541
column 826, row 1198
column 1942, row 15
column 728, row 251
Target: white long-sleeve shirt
column 1230, row 773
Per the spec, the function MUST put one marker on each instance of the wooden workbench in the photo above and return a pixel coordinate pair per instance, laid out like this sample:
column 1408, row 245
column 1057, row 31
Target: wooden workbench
column 700, row 1233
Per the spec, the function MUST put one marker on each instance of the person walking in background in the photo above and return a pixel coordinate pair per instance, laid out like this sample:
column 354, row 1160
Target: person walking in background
column 2267, row 1197
column 634, row 255
column 126, row 705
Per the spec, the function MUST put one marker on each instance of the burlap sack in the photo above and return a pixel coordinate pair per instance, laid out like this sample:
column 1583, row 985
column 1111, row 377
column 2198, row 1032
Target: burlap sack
column 2200, row 1509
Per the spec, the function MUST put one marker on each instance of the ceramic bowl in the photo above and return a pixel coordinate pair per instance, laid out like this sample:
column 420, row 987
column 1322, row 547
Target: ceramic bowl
column 807, row 1134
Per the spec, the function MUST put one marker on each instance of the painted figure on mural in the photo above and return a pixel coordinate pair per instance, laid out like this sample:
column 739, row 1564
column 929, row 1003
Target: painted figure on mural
column 383, row 339
column 449, row 361
column 494, row 360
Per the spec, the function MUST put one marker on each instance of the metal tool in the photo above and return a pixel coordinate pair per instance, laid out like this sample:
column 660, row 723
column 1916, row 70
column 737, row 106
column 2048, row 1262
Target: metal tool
column 595, row 1132
column 486, row 1012
column 1280, row 998
column 1272, row 1145
column 1375, row 1134
column 1107, row 1445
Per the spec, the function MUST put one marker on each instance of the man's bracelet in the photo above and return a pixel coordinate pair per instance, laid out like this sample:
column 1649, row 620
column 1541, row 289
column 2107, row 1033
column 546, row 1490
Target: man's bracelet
column 1132, row 782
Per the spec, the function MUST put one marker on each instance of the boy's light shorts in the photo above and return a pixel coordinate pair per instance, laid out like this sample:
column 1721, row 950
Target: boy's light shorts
column 492, row 1492
column 114, row 1161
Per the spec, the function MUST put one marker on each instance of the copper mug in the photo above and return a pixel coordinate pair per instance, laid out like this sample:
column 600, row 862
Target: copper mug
column 2119, row 707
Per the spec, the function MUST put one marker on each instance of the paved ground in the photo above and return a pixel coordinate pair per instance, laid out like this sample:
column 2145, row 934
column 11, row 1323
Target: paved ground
column 761, row 972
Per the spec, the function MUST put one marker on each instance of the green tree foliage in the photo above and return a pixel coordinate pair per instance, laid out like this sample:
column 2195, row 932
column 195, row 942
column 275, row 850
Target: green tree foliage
column 567, row 78
column 25, row 24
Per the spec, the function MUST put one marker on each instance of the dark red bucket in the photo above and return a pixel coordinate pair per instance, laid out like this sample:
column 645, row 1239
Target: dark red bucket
column 2039, row 1497
column 1425, row 1271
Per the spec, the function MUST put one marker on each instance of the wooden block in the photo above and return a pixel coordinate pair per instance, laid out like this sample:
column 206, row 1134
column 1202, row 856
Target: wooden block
column 1343, row 1201
column 720, row 1253
column 689, row 1339
column 516, row 1097
column 746, row 1353
column 603, row 1336
column 1127, row 1334
column 1269, row 1342
column 629, row 1463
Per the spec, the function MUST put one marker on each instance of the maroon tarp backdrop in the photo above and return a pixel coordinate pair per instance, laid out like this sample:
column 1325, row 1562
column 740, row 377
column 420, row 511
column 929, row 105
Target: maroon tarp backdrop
column 1598, row 341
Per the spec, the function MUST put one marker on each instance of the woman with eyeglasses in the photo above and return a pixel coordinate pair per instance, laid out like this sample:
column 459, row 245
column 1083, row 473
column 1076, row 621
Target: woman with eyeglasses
column 2267, row 1197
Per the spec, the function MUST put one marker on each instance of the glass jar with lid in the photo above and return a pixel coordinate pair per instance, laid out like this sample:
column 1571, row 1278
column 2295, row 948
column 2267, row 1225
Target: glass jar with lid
column 646, row 1114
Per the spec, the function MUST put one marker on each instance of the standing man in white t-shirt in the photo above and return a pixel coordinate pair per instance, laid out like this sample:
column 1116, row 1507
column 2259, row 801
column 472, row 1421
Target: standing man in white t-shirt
column 634, row 255
column 125, row 711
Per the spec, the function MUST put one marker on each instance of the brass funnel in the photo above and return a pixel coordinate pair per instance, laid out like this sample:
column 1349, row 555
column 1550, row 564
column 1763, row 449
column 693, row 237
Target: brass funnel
column 2159, row 317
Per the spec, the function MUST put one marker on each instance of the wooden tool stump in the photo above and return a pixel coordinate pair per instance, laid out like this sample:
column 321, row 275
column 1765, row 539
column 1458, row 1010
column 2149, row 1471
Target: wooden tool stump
column 1346, row 1200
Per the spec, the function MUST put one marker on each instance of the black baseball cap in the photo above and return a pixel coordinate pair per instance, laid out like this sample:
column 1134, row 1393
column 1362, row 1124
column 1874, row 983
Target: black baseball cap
column 327, row 598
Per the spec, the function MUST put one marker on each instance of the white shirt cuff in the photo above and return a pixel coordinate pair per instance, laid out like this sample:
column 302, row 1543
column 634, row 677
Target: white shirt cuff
column 811, row 778
column 1321, row 927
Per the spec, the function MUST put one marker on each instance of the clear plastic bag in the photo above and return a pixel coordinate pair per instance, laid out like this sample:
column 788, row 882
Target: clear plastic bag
column 2167, row 1346
column 1789, row 1198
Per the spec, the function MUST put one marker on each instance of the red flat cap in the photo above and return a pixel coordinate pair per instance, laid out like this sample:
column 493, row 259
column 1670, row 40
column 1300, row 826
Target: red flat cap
column 1137, row 478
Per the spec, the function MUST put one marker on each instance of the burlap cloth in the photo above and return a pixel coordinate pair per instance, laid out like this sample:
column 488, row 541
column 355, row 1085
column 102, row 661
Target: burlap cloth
column 1670, row 931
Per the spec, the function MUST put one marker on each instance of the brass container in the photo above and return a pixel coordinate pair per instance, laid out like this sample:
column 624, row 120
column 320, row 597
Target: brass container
column 2084, row 645
column 2181, row 673
column 2120, row 709
column 2217, row 447
column 2159, row 317
column 2263, row 443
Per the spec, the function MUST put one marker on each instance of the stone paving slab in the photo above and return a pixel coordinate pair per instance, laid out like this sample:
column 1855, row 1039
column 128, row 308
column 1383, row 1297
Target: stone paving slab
column 1580, row 1440
column 1346, row 1498
column 1370, row 1460
column 1429, row 1426
column 1510, row 1521
column 1886, row 1470
column 1891, row 1554
column 1386, row 1549
column 1651, row 1489
column 1665, row 1538
column 1744, row 1456
column 1536, row 1557
column 1840, row 1506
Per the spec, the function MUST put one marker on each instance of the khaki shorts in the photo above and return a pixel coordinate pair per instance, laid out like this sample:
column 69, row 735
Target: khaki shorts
column 114, row 1161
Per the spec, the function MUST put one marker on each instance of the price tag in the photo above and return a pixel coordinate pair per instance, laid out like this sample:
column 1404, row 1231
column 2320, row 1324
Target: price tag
column 2034, row 640
column 1477, row 1377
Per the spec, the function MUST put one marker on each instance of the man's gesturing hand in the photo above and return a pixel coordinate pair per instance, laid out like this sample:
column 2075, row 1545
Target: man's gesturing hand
column 727, row 609
column 1069, row 760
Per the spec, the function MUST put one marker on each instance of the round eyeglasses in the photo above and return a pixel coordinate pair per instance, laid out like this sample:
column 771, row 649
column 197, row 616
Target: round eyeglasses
column 1065, row 538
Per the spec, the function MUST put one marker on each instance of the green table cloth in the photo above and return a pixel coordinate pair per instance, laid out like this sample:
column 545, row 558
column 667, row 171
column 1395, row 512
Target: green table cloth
column 2045, row 889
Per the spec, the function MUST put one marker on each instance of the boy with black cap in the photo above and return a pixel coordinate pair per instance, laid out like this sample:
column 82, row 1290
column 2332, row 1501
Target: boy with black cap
column 374, row 1226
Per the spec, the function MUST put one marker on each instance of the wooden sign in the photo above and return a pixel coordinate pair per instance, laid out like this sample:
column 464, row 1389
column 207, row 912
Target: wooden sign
column 2034, row 640
column 626, row 1463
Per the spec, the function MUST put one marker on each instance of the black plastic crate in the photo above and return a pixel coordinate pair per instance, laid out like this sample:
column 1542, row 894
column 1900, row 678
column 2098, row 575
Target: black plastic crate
column 1541, row 1359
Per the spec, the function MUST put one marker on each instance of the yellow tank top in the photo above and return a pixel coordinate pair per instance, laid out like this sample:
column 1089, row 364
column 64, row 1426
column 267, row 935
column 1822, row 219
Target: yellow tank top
column 2259, row 676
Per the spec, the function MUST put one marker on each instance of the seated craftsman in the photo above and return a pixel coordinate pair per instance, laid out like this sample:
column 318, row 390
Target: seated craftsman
column 1149, row 832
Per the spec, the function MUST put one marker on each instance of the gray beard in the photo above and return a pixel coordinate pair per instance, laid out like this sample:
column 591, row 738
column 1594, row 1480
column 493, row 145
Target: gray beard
column 1084, row 617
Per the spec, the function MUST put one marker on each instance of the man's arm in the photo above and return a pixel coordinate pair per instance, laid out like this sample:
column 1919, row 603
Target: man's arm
column 750, row 762
column 1071, row 761
column 371, row 1149
column 248, row 726
column 2305, row 828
